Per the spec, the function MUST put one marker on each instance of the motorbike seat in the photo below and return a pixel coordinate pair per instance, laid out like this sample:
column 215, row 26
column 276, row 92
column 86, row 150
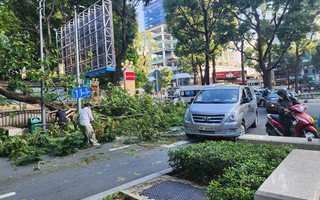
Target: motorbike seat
column 275, row 117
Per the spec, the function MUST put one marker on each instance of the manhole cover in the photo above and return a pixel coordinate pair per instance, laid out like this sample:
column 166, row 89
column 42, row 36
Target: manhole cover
column 171, row 190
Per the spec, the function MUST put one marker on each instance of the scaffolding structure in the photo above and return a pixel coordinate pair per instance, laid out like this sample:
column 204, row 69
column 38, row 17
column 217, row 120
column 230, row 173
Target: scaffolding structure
column 95, row 38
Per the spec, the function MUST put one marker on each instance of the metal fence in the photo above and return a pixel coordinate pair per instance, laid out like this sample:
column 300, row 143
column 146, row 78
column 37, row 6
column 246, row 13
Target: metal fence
column 18, row 118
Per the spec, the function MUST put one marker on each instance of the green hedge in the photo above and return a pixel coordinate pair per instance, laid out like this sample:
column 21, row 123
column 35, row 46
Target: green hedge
column 232, row 170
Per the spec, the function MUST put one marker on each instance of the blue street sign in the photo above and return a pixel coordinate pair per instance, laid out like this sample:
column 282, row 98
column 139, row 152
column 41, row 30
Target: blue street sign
column 81, row 92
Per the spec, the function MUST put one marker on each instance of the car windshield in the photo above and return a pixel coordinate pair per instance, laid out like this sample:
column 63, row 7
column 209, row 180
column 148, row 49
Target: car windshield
column 217, row 96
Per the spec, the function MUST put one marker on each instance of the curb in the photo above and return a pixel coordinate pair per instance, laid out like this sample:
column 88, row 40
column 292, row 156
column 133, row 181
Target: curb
column 101, row 195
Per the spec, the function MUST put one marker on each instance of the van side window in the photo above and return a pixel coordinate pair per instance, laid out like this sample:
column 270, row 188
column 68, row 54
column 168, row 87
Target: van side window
column 243, row 94
column 248, row 92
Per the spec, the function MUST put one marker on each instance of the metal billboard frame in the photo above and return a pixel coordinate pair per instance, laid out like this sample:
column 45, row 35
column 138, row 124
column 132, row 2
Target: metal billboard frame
column 95, row 35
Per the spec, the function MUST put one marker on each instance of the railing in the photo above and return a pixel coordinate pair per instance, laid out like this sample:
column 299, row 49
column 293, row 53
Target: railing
column 308, row 95
column 18, row 118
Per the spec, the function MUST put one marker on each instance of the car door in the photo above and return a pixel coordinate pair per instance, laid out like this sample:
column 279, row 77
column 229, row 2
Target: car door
column 252, row 105
column 244, row 108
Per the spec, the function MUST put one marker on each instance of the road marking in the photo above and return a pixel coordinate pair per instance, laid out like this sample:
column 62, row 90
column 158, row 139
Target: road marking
column 114, row 149
column 7, row 195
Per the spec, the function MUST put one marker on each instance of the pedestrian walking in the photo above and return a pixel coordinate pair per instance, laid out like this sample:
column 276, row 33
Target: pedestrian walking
column 85, row 121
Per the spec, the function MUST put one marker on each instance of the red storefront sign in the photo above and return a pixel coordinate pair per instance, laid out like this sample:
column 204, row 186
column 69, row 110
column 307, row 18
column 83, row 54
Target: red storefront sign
column 229, row 74
column 129, row 76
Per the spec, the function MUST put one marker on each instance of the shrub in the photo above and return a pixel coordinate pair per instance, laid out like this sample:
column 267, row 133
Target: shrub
column 70, row 143
column 232, row 170
column 17, row 149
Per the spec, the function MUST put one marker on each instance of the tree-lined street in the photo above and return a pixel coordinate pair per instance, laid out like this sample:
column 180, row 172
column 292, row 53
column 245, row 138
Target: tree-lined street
column 56, row 54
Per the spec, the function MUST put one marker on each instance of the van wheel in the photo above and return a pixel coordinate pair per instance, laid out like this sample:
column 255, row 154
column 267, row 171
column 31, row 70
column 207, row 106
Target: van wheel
column 255, row 123
column 242, row 129
column 191, row 136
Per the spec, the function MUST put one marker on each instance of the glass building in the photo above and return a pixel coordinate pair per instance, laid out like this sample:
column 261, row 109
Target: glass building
column 154, row 14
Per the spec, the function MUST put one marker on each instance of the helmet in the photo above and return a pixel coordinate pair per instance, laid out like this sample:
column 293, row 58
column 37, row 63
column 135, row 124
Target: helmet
column 282, row 92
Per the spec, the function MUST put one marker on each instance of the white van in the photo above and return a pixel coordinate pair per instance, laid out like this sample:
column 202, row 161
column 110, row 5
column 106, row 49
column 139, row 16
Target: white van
column 223, row 111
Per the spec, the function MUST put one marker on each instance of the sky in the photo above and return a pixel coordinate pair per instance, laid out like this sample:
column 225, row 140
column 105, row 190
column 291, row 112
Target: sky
column 140, row 16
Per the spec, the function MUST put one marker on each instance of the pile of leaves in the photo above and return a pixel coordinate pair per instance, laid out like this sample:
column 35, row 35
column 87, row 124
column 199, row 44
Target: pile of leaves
column 28, row 148
column 231, row 170
column 119, row 114
column 141, row 117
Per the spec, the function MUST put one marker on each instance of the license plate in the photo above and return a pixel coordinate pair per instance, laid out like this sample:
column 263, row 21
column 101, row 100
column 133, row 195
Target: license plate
column 206, row 128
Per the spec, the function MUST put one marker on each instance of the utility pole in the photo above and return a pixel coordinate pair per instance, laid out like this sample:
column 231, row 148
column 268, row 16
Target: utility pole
column 77, row 54
column 43, row 105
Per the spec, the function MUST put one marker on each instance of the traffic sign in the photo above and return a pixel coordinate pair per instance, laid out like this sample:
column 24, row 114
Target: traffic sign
column 129, row 76
column 81, row 92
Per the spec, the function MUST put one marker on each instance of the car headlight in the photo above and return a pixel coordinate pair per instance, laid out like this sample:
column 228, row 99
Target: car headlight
column 233, row 117
column 187, row 116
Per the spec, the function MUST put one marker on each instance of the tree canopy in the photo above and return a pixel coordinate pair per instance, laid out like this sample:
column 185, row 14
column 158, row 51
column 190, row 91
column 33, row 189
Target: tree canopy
column 19, row 40
column 265, row 23
column 204, row 22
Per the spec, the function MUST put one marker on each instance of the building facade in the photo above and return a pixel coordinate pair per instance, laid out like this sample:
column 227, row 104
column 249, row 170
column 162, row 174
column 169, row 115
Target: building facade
column 163, row 55
column 154, row 14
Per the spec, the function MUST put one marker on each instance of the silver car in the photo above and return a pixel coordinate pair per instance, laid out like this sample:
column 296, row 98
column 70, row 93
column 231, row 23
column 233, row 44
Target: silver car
column 223, row 111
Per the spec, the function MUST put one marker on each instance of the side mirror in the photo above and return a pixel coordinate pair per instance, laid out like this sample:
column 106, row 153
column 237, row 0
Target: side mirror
column 245, row 100
column 191, row 100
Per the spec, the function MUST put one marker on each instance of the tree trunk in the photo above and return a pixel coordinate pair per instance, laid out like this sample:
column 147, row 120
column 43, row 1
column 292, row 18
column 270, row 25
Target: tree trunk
column 194, row 69
column 296, row 70
column 124, row 45
column 201, row 75
column 267, row 79
column 27, row 99
column 242, row 65
column 213, row 70
column 207, row 71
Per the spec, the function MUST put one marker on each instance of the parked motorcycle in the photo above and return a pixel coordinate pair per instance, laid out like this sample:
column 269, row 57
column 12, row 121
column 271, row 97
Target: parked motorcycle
column 302, row 125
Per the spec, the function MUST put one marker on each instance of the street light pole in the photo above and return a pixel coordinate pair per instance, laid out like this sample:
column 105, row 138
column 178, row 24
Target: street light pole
column 77, row 54
column 43, row 106
column 58, row 70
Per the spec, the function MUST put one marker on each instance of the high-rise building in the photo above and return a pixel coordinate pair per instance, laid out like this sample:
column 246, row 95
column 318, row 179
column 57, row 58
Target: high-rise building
column 154, row 14
column 163, row 56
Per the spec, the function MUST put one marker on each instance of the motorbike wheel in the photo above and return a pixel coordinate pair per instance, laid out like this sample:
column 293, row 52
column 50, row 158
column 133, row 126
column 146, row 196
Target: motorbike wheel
column 302, row 134
column 271, row 131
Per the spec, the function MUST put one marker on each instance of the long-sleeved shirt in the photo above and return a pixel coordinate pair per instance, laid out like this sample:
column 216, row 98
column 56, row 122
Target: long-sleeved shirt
column 85, row 116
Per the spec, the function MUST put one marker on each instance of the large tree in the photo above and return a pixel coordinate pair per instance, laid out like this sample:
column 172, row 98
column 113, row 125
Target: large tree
column 208, row 20
column 19, row 40
column 261, row 23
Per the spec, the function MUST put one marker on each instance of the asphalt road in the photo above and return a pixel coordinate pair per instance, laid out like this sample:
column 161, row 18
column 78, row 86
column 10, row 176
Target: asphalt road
column 81, row 175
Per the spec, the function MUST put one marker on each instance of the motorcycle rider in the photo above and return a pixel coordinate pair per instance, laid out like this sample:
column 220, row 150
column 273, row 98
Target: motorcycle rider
column 284, row 103
column 265, row 93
